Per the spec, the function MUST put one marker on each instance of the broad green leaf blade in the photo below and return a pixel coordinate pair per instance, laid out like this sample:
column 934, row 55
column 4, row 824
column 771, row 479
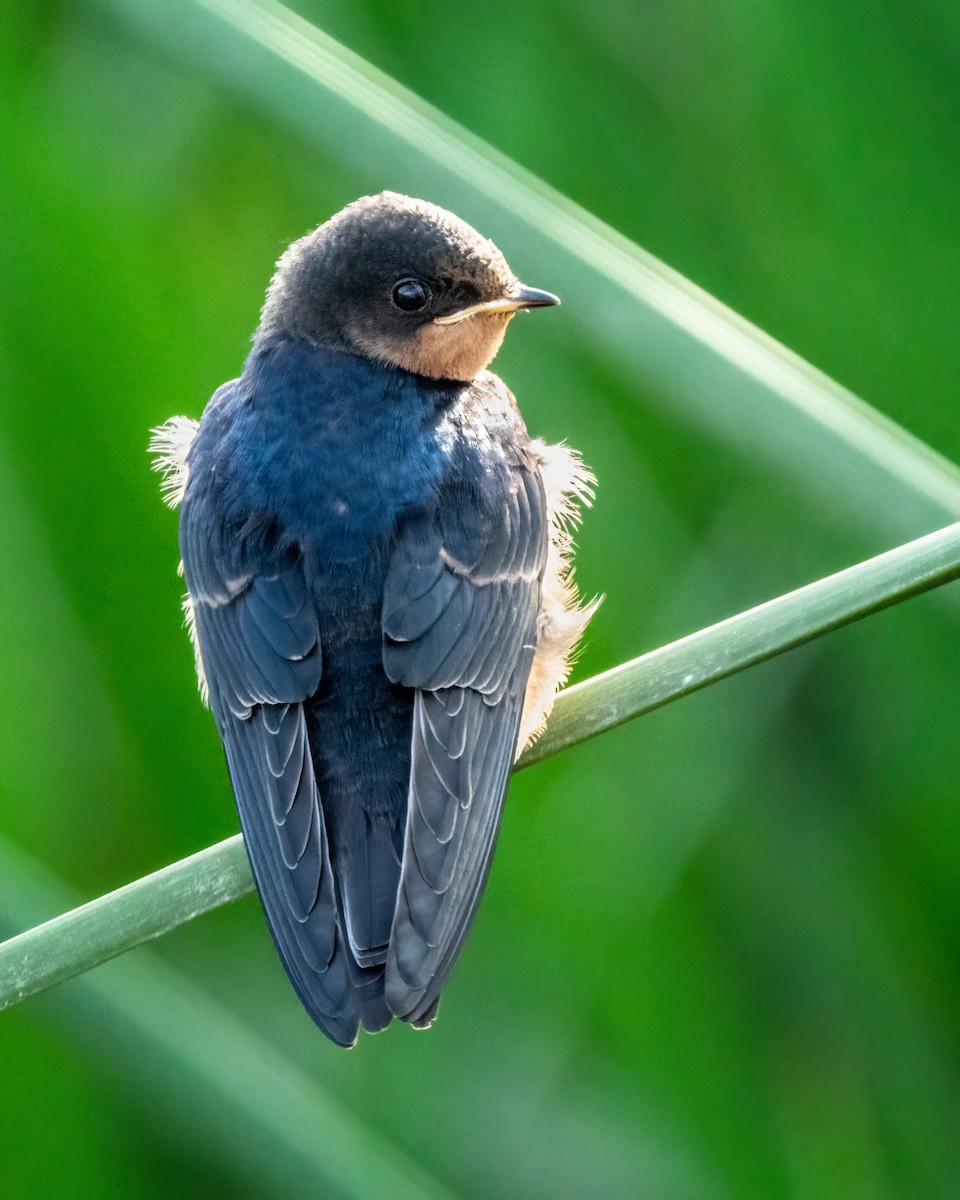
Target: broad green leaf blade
column 88, row 936
column 691, row 352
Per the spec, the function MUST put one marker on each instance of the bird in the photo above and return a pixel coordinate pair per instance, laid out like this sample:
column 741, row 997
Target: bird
column 379, row 594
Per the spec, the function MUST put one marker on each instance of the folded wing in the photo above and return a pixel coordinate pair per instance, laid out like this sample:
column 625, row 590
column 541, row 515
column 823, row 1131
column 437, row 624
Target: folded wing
column 257, row 634
column 460, row 609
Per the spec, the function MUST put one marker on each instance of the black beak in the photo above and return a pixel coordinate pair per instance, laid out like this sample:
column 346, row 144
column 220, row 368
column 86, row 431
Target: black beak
column 520, row 296
column 529, row 297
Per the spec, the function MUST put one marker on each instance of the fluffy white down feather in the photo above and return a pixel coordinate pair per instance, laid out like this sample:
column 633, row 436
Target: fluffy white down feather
column 170, row 444
column 569, row 486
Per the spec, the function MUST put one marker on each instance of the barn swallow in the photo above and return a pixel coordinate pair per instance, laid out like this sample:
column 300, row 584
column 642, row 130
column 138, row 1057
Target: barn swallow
column 379, row 594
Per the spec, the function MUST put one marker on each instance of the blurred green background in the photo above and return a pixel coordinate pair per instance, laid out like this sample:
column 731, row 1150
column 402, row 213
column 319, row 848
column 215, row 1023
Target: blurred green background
column 719, row 955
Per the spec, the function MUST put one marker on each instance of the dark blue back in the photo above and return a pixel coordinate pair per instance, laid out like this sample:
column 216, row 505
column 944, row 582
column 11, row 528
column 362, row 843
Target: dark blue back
column 326, row 451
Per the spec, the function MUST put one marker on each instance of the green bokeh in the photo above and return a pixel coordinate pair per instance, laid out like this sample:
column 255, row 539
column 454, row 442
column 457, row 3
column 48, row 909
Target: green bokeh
column 720, row 952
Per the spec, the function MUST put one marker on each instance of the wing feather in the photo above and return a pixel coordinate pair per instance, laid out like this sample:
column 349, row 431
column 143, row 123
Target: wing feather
column 258, row 636
column 462, row 634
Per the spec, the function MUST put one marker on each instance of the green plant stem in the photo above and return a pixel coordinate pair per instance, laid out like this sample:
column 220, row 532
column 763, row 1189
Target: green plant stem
column 712, row 654
column 104, row 928
column 282, row 1130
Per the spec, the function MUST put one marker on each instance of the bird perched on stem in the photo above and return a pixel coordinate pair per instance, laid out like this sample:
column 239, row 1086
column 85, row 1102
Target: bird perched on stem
column 379, row 594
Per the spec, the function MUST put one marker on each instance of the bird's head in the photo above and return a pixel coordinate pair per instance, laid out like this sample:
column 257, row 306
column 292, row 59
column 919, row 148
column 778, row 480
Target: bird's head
column 403, row 282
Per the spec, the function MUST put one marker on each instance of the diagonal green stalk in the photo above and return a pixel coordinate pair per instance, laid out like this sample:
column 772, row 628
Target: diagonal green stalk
column 692, row 353
column 286, row 1133
column 98, row 931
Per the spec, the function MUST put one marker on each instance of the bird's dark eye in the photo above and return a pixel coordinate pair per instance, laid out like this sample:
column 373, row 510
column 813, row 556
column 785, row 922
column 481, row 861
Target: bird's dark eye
column 410, row 294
